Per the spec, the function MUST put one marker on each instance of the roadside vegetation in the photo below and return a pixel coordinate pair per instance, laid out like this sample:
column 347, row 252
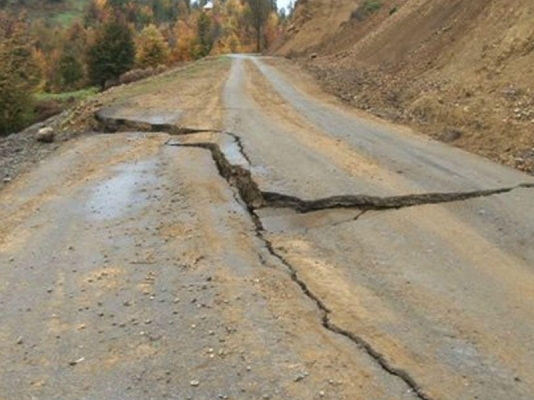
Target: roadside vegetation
column 51, row 59
column 366, row 8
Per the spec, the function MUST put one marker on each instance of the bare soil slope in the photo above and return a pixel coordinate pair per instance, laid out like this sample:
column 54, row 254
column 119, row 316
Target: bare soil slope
column 461, row 71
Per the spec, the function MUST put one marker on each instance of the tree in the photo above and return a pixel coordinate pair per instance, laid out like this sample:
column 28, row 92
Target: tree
column 259, row 13
column 70, row 66
column 152, row 49
column 204, row 36
column 19, row 74
column 113, row 52
column 184, row 38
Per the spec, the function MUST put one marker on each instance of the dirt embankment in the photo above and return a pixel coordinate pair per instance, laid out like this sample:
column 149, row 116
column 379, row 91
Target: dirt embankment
column 461, row 71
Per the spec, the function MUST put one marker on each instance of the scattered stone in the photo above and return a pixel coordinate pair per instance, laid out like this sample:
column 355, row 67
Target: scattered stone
column 45, row 135
column 7, row 179
column 301, row 376
column 20, row 340
column 76, row 362
column 194, row 383
column 126, row 304
column 49, row 290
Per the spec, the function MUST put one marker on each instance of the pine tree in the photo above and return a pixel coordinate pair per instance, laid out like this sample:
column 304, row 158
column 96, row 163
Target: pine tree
column 204, row 36
column 259, row 13
column 113, row 52
column 70, row 66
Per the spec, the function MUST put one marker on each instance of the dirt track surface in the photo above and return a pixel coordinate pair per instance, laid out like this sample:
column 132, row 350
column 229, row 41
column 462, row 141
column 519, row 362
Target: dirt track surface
column 271, row 245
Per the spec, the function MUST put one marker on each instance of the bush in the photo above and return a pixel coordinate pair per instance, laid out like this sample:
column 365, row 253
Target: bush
column 366, row 8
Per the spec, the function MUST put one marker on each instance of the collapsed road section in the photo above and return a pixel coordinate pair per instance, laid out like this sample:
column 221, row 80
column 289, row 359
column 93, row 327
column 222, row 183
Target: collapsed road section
column 240, row 178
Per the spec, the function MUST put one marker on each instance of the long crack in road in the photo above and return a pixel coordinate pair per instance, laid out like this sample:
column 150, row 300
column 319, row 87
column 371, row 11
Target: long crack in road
column 190, row 262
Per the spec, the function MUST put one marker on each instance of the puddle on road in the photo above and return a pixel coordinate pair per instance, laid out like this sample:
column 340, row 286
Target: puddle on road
column 124, row 192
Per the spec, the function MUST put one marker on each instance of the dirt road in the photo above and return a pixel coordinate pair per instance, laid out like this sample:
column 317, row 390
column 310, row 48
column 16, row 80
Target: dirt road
column 250, row 238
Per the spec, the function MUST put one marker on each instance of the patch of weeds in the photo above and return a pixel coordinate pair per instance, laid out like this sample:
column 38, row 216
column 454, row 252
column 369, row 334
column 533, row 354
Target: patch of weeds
column 67, row 96
column 366, row 8
column 50, row 104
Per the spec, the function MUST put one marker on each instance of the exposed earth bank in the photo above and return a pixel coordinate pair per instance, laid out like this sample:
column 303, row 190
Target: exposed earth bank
column 459, row 71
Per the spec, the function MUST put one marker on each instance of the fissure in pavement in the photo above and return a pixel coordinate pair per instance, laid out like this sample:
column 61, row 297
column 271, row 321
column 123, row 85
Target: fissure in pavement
column 253, row 198
column 240, row 179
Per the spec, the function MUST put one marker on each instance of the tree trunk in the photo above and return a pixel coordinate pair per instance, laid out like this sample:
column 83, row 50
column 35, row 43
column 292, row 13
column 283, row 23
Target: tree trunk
column 258, row 39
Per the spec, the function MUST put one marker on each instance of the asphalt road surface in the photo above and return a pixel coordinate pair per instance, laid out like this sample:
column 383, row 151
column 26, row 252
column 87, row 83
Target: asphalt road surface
column 274, row 245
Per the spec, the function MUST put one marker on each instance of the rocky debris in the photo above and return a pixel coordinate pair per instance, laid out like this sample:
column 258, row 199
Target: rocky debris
column 76, row 362
column 21, row 150
column 45, row 135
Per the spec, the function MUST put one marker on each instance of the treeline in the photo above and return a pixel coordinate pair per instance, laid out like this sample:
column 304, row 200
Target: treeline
column 116, row 36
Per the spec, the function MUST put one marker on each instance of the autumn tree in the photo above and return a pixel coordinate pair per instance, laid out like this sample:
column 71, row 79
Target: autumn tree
column 152, row 49
column 19, row 74
column 113, row 52
column 70, row 66
column 184, row 38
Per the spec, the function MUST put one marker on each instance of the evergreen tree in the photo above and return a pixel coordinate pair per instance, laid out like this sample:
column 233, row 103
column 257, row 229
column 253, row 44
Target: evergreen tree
column 259, row 13
column 71, row 68
column 204, row 36
column 113, row 52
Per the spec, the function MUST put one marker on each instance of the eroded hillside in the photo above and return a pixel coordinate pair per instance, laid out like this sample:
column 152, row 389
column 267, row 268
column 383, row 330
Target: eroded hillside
column 461, row 71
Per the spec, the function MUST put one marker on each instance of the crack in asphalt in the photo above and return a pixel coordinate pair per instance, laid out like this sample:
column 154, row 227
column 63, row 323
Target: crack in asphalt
column 252, row 194
column 253, row 199
column 112, row 125
column 242, row 182
column 329, row 325
column 235, row 176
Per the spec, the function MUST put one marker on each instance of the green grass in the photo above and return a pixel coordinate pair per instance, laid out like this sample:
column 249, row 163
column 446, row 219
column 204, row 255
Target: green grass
column 66, row 96
column 66, row 18
column 366, row 8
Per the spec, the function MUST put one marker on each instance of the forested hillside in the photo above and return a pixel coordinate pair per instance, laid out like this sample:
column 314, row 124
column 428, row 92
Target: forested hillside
column 113, row 41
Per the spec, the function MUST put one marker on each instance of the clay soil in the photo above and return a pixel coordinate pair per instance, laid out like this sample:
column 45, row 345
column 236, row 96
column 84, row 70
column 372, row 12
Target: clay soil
column 459, row 71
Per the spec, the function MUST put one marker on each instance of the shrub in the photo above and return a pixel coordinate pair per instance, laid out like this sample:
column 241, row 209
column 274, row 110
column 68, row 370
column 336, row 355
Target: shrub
column 366, row 8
